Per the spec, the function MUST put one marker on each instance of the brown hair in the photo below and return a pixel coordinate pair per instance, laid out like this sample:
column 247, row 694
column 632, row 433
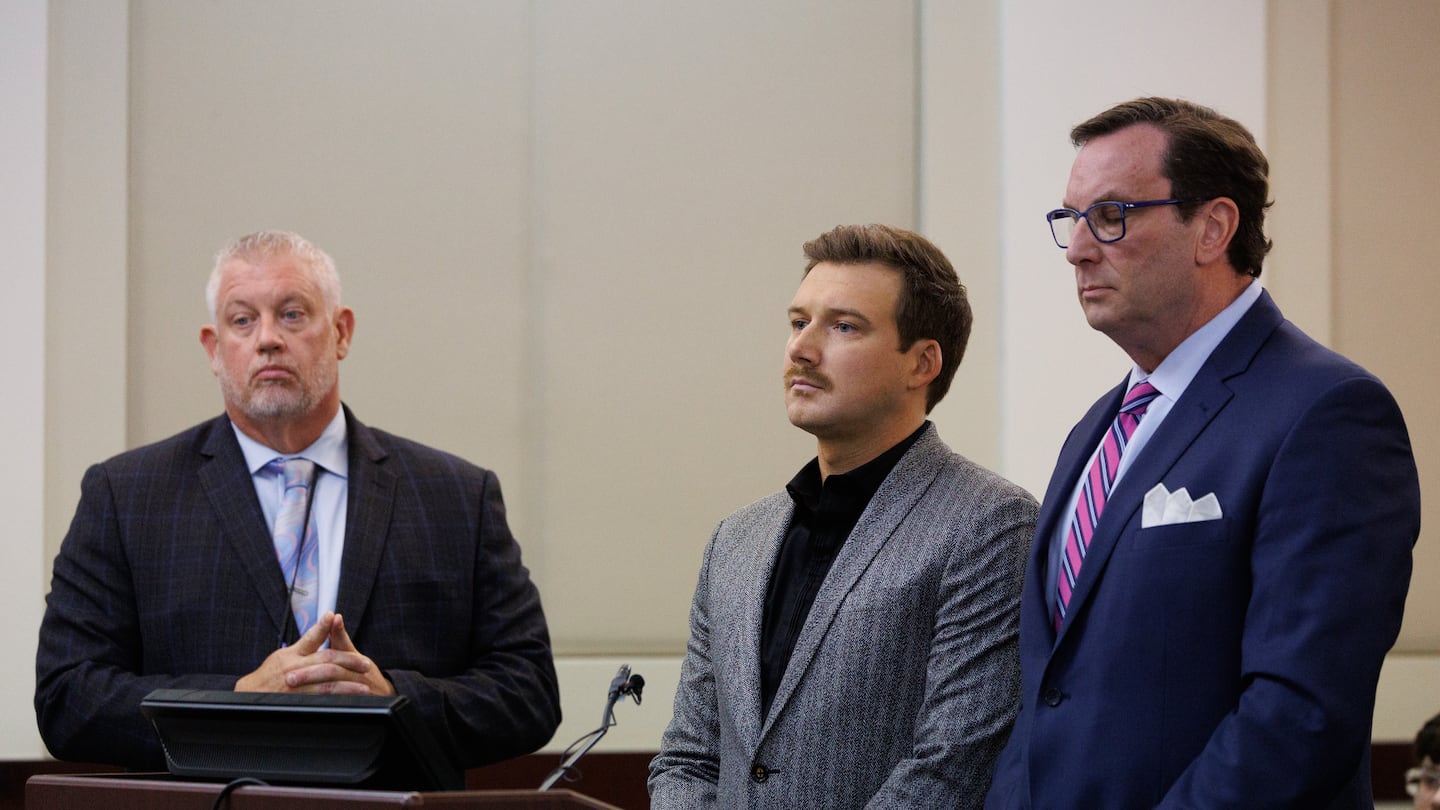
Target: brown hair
column 932, row 303
column 1207, row 156
column 1427, row 742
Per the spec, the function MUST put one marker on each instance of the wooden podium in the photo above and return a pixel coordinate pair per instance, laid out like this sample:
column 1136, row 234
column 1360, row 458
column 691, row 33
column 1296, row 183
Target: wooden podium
column 163, row 792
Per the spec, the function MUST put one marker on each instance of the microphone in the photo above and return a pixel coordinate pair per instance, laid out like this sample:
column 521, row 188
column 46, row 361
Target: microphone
column 618, row 684
column 633, row 687
column 624, row 683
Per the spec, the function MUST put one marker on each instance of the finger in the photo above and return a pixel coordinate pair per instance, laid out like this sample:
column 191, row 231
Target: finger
column 322, row 685
column 342, row 688
column 340, row 637
column 316, row 635
column 329, row 665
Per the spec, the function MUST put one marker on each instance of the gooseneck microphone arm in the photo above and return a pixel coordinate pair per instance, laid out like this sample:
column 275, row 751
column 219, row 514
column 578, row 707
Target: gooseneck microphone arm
column 623, row 684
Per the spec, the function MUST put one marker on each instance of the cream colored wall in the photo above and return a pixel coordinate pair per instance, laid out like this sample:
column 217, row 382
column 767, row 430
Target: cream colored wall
column 570, row 230
column 1061, row 67
column 1386, row 281
column 960, row 187
column 23, row 71
column 683, row 154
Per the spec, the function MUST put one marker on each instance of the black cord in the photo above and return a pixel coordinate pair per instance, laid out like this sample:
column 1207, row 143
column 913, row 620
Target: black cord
column 572, row 754
column 300, row 550
column 571, row 772
column 232, row 786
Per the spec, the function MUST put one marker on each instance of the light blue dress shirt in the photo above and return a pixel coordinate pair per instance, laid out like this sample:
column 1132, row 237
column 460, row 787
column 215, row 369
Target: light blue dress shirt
column 1170, row 379
column 332, row 470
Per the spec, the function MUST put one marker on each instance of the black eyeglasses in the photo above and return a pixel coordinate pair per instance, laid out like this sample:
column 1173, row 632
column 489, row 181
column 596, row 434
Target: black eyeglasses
column 1106, row 219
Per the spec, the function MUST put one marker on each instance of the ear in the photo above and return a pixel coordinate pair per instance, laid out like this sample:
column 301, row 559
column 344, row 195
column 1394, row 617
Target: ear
column 210, row 339
column 927, row 359
column 344, row 330
column 1220, row 219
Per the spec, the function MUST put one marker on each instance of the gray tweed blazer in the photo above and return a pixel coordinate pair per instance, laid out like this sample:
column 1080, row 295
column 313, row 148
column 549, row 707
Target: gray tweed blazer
column 905, row 680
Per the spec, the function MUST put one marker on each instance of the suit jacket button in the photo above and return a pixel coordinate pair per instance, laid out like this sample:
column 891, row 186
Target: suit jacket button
column 759, row 774
column 1053, row 697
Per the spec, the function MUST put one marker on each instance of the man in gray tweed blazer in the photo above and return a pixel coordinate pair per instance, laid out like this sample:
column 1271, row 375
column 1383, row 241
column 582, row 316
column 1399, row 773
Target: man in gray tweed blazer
column 853, row 639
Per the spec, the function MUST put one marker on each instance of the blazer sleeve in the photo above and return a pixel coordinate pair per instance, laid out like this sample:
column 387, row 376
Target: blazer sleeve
column 686, row 772
column 972, row 679
column 1330, row 568
column 506, row 701
column 88, row 685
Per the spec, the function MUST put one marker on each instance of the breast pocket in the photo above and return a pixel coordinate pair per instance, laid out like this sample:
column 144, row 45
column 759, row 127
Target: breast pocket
column 896, row 623
column 888, row 599
column 1177, row 535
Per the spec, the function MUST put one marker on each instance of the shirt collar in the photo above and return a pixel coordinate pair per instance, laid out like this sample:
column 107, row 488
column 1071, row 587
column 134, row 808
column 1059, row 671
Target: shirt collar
column 1175, row 372
column 329, row 451
column 848, row 492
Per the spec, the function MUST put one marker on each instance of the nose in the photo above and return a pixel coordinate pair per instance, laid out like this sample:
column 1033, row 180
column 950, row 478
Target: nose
column 803, row 349
column 267, row 334
column 1083, row 244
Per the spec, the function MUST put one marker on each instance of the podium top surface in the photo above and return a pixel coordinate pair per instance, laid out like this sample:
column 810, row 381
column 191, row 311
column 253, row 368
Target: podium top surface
column 163, row 792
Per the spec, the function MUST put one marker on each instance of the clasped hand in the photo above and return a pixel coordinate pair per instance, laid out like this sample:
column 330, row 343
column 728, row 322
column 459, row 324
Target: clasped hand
column 308, row 666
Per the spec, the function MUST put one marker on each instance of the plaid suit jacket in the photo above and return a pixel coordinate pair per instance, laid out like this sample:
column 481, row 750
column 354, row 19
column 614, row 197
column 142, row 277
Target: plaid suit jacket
column 167, row 578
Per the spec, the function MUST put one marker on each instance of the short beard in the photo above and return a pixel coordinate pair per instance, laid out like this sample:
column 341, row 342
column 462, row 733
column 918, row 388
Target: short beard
column 269, row 401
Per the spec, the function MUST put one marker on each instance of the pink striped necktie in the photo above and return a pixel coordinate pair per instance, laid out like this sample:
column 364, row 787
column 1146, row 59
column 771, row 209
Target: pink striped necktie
column 299, row 560
column 1095, row 490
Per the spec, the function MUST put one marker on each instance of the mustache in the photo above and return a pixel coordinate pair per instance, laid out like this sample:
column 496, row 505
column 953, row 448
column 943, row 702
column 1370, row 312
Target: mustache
column 812, row 377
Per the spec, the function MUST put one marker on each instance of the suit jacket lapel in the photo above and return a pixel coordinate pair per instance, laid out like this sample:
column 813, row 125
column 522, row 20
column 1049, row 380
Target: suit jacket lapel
column 1202, row 400
column 370, row 495
column 225, row 479
column 897, row 495
column 1074, row 458
column 744, row 659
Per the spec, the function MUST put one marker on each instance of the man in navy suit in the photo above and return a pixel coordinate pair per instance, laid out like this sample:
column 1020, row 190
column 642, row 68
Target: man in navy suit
column 1220, row 562
column 405, row 578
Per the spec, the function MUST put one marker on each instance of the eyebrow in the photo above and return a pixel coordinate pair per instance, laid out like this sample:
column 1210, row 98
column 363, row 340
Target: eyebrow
column 1109, row 196
column 851, row 314
column 247, row 305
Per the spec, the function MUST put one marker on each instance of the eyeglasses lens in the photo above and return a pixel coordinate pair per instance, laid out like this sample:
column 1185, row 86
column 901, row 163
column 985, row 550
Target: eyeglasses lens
column 1062, row 226
column 1107, row 220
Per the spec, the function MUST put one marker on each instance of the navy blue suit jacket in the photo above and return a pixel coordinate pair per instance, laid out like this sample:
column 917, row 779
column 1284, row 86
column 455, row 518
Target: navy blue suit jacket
column 1233, row 662
column 168, row 579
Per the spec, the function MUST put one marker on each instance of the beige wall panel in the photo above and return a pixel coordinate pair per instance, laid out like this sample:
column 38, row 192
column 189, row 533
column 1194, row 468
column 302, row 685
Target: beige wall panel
column 960, row 186
column 569, row 232
column 1059, row 68
column 85, row 274
column 1387, row 77
column 1298, row 268
column 684, row 151
column 397, row 140
column 23, row 74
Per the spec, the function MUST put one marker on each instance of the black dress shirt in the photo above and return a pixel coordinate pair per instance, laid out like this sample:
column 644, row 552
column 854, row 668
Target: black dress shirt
column 825, row 513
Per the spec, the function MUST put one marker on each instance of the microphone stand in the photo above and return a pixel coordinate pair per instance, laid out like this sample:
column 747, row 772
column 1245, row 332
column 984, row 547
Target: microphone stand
column 623, row 684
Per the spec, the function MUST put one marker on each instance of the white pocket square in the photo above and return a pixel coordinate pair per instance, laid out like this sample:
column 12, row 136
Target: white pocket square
column 1164, row 508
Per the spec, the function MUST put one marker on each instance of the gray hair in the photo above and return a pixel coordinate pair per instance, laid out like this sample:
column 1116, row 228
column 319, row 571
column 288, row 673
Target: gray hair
column 257, row 247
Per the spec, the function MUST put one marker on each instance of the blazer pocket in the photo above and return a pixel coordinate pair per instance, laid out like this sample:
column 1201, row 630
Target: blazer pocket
column 891, row 600
column 1177, row 535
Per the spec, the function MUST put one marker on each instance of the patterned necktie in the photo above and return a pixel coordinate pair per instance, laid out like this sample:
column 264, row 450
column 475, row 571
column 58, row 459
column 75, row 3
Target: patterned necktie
column 1095, row 490
column 299, row 560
